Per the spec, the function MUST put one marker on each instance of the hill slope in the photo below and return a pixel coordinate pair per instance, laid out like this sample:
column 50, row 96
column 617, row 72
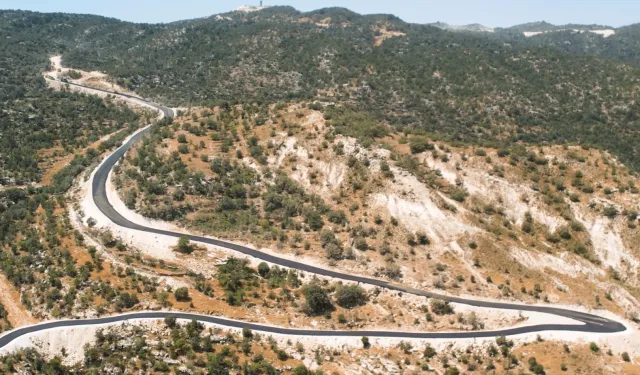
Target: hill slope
column 461, row 86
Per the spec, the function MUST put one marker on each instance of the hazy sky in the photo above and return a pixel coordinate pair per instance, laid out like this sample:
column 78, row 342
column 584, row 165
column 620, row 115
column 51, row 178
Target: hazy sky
column 488, row 12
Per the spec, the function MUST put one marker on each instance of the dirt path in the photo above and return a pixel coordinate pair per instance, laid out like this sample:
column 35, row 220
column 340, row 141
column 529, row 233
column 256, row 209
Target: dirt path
column 10, row 297
column 91, row 79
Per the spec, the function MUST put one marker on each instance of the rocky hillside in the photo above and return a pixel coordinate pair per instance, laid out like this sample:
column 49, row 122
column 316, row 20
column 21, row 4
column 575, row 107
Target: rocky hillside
column 336, row 187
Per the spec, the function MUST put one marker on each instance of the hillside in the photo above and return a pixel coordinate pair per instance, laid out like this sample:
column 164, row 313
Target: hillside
column 41, row 128
column 460, row 86
column 183, row 347
column 493, row 166
column 617, row 44
column 298, row 180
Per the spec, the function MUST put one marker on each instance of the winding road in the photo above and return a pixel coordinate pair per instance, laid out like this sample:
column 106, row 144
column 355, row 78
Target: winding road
column 590, row 322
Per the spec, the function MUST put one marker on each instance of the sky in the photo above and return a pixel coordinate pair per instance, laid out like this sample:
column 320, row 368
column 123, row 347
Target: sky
column 496, row 13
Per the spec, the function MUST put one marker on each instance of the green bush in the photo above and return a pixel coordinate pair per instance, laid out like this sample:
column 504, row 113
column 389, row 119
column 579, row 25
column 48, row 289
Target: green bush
column 419, row 144
column 349, row 296
column 440, row 307
column 317, row 299
column 182, row 294
column 184, row 245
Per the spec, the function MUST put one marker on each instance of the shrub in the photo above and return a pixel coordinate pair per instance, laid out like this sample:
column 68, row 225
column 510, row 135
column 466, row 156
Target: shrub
column 349, row 296
column 536, row 367
column 170, row 321
column 594, row 347
column 107, row 238
column 440, row 307
column 182, row 294
column 178, row 195
column 625, row 357
column 246, row 332
column 429, row 351
column 184, row 245
column 128, row 300
column 419, row 144
column 563, row 366
column 422, row 238
column 365, row 342
column 334, row 251
column 360, row 243
column 327, row 237
column 91, row 222
column 282, row 355
column 611, row 212
column 337, row 217
column 130, row 197
column 459, row 194
column 314, row 220
column 301, row 370
column 263, row 270
column 393, row 271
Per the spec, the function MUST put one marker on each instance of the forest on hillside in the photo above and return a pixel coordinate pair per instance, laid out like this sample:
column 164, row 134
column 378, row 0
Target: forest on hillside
column 460, row 87
column 33, row 117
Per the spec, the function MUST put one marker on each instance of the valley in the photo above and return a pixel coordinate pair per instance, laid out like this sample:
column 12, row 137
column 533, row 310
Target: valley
column 314, row 232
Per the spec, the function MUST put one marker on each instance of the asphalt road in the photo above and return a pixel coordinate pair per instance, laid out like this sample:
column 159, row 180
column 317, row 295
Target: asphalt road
column 591, row 322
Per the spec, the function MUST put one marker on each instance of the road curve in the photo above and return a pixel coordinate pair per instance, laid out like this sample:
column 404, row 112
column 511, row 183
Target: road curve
column 591, row 323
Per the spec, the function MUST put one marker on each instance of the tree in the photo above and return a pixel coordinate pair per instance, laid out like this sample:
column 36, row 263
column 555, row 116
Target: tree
column 246, row 333
column 429, row 351
column 170, row 321
column 349, row 296
column 182, row 294
column 91, row 222
column 317, row 299
column 263, row 270
column 314, row 220
column 129, row 299
column 334, row 251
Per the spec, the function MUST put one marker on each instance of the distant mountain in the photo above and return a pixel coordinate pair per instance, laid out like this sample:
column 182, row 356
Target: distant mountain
column 532, row 29
column 543, row 26
column 622, row 44
column 474, row 27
